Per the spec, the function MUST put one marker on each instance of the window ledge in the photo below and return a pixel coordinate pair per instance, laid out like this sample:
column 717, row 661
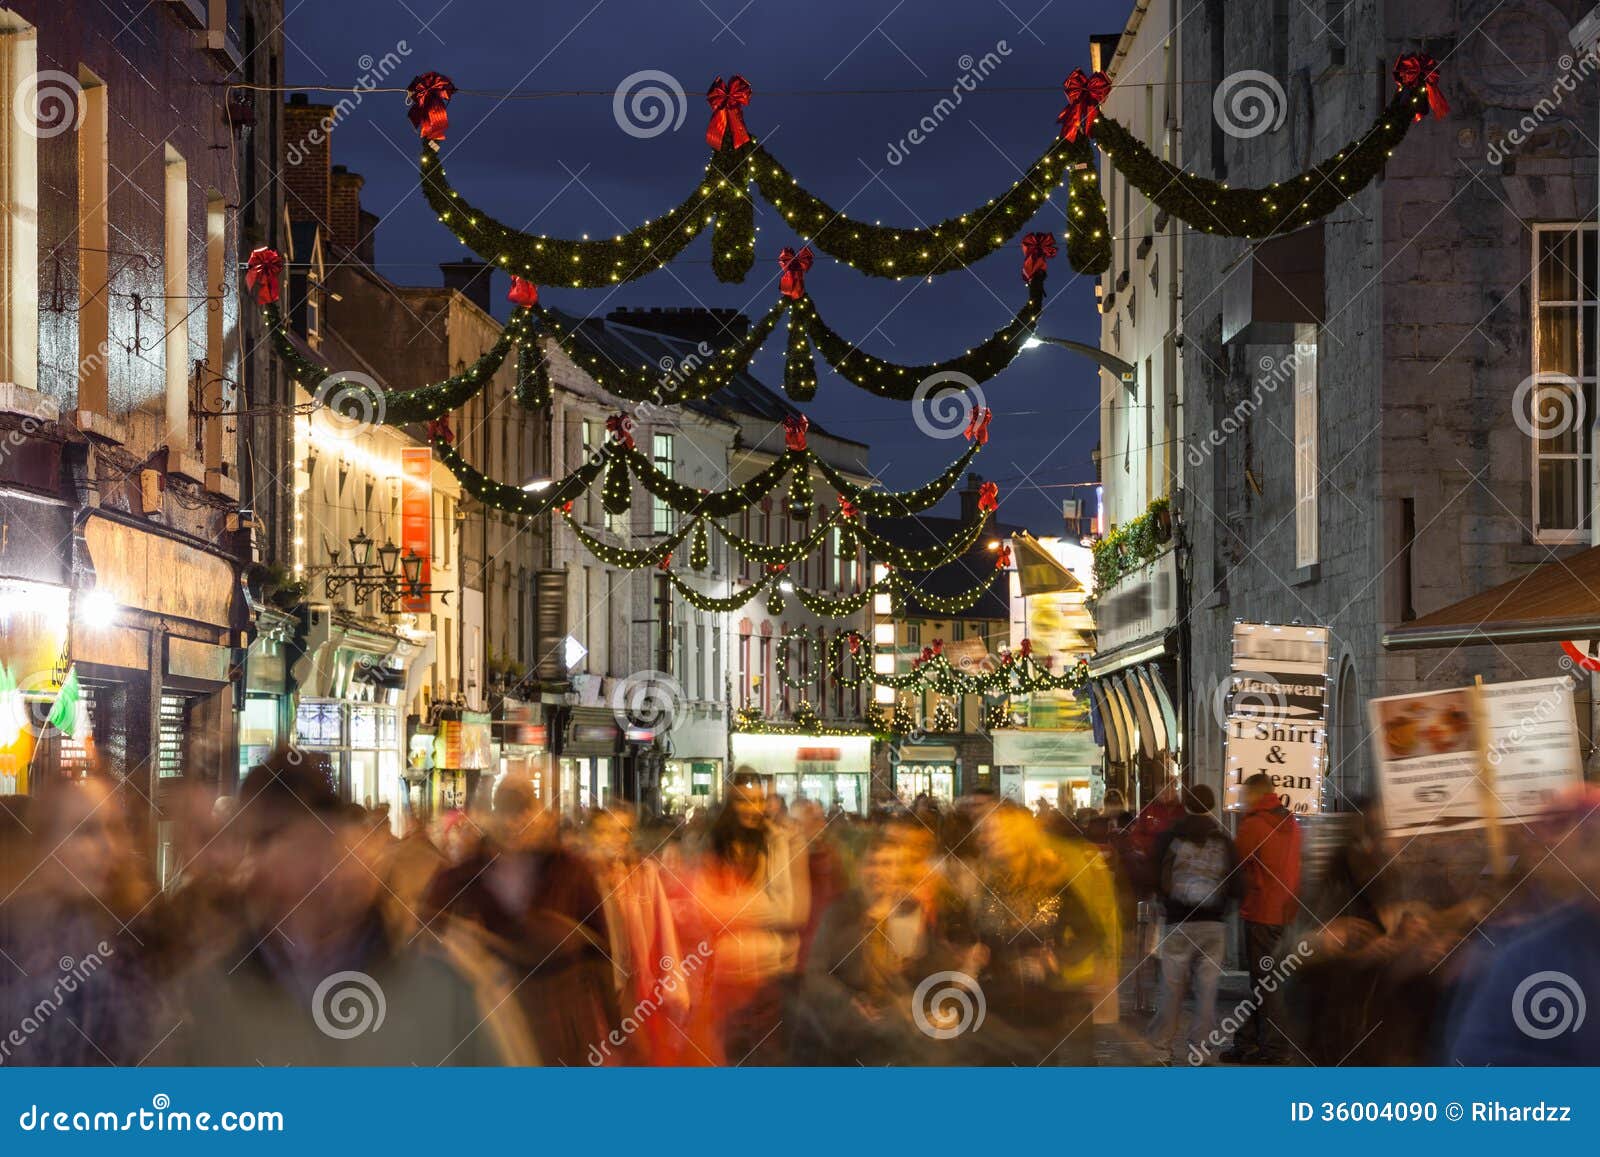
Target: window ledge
column 185, row 465
column 224, row 484
column 27, row 403
column 100, row 426
column 1306, row 575
column 191, row 12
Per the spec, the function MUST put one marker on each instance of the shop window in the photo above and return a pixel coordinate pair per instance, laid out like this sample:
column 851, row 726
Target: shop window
column 169, row 743
column 662, row 517
column 1563, row 391
column 19, row 206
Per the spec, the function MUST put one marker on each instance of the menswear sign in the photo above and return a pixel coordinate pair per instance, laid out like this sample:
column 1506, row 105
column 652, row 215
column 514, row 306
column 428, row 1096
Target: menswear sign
column 1277, row 712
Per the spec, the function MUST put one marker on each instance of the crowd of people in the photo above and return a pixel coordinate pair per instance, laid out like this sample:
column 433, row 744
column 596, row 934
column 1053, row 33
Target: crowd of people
column 298, row 929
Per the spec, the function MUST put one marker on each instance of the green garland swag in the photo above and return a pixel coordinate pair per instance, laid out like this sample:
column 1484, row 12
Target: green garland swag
column 624, row 558
column 1285, row 205
column 776, row 554
column 1088, row 230
column 897, row 502
column 1013, row 675
column 955, row 604
column 891, row 380
column 720, row 198
column 862, row 656
column 929, row 557
column 712, row 503
column 704, row 602
column 513, row 499
column 533, row 376
column 398, row 407
column 648, row 382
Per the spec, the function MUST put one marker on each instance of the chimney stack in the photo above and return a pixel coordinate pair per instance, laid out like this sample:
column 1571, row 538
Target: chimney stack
column 344, row 212
column 307, row 161
column 472, row 279
column 969, row 497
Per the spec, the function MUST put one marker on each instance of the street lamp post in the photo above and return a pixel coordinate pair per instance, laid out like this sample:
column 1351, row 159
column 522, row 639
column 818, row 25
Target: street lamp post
column 1124, row 371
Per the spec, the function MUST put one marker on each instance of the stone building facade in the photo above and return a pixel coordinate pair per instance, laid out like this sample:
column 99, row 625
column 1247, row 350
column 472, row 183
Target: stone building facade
column 1354, row 454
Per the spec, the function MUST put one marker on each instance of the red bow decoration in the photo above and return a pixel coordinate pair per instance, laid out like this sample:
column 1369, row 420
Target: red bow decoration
column 1417, row 68
column 988, row 497
column 523, row 293
column 794, row 431
column 776, row 568
column 439, row 431
column 666, row 561
column 1002, row 559
column 855, row 643
column 938, row 646
column 847, row 508
column 927, row 654
column 1037, row 249
column 1085, row 95
column 978, row 425
column 727, row 103
column 620, row 429
column 793, row 282
column 566, row 507
column 428, row 95
column 262, row 273
column 1025, row 648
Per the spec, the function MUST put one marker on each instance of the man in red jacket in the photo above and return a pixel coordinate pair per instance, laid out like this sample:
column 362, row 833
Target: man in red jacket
column 1269, row 852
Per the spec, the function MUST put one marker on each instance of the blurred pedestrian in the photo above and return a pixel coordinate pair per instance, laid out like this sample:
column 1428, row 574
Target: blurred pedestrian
column 1199, row 874
column 1269, row 852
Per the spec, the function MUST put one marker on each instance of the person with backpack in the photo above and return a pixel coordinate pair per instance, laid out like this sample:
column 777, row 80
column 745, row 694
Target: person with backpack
column 1199, row 875
column 1269, row 849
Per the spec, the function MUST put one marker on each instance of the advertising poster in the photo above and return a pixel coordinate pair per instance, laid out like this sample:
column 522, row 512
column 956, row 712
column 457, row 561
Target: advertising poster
column 1277, row 713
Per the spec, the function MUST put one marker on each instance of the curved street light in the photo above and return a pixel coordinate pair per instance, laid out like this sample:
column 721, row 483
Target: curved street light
column 1124, row 371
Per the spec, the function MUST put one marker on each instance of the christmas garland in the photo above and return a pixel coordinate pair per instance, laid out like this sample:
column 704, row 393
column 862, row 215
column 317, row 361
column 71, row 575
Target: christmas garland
column 835, row 606
column 720, row 200
column 704, row 602
column 624, row 558
column 777, row 554
column 905, row 383
column 929, row 557
column 398, row 407
column 940, row 604
column 1017, row 673
column 713, row 503
column 1282, row 206
column 897, row 502
column 513, row 499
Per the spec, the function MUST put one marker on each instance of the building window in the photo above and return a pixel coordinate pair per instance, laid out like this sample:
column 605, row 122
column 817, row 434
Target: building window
column 592, row 438
column 176, row 265
column 19, row 206
column 914, row 634
column 716, row 664
column 94, row 239
column 744, row 670
column 1564, row 304
column 1306, row 471
column 662, row 520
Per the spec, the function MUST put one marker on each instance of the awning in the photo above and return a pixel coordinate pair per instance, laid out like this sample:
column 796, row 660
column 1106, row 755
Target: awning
column 927, row 753
column 1109, row 722
column 1150, row 718
column 1168, row 715
column 1138, row 714
column 1552, row 602
column 1275, row 285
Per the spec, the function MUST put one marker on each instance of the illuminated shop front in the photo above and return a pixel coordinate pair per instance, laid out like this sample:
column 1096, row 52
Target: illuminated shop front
column 1060, row 768
column 461, row 756
column 925, row 770
column 33, row 640
column 690, row 783
column 591, row 745
column 830, row 769
column 521, row 749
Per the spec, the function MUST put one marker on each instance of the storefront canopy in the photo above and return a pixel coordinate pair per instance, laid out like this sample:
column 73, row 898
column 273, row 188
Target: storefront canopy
column 1553, row 601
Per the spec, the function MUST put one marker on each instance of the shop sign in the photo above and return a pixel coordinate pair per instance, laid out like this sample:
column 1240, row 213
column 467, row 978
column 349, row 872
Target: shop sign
column 476, row 732
column 1142, row 605
column 1277, row 713
column 1025, row 747
column 416, row 517
column 1447, row 760
column 151, row 572
column 817, row 760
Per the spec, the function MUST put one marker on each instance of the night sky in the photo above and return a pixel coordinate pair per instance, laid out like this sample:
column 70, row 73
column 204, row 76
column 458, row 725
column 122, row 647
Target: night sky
column 561, row 165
